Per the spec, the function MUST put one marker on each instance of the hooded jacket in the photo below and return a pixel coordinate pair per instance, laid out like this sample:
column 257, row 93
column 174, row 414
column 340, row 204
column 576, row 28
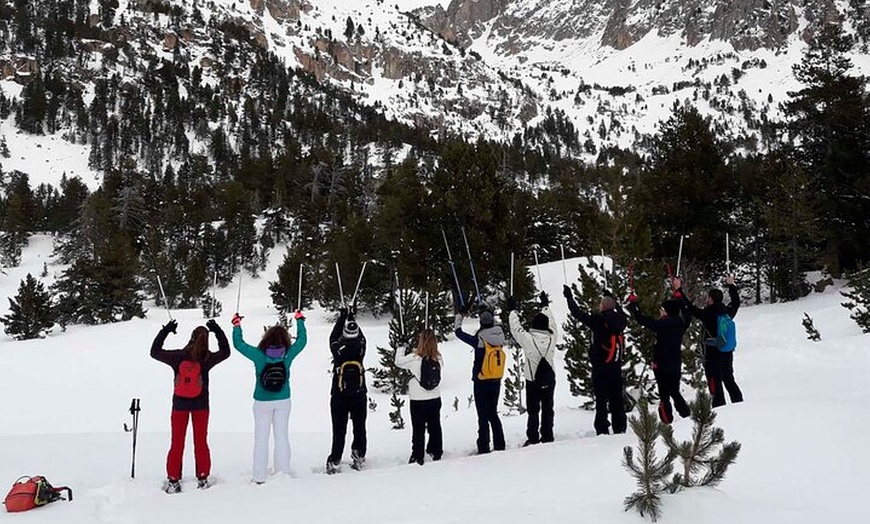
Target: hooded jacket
column 260, row 359
column 413, row 363
column 537, row 344
column 494, row 335
column 173, row 358
column 604, row 325
column 709, row 316
column 667, row 354
column 345, row 349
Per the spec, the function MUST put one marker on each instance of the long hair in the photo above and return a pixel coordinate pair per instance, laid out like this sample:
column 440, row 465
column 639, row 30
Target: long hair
column 197, row 348
column 275, row 336
column 427, row 345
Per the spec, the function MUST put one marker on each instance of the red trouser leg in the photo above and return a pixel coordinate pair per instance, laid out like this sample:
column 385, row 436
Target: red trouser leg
column 176, row 450
column 200, row 443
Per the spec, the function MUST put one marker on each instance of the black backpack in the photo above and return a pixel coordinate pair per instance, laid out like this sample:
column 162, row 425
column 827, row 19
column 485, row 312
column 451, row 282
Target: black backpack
column 430, row 374
column 350, row 377
column 274, row 376
column 545, row 377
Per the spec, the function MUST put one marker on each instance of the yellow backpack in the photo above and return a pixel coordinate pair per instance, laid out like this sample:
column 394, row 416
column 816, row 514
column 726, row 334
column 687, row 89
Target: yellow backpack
column 494, row 359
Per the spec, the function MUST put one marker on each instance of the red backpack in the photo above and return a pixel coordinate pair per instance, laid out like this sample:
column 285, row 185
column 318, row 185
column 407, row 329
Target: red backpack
column 188, row 382
column 30, row 492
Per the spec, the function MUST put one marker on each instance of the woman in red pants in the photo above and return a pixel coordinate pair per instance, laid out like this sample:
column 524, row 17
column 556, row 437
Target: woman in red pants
column 190, row 366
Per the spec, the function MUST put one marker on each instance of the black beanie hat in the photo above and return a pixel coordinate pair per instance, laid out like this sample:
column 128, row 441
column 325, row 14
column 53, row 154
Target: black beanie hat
column 541, row 322
column 672, row 307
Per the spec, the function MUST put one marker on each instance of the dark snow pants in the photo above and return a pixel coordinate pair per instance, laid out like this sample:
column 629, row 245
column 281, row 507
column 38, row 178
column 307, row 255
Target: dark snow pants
column 539, row 400
column 426, row 416
column 607, row 385
column 719, row 369
column 355, row 406
column 486, row 394
column 668, row 382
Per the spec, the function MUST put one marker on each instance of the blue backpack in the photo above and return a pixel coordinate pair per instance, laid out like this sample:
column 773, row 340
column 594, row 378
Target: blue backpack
column 726, row 339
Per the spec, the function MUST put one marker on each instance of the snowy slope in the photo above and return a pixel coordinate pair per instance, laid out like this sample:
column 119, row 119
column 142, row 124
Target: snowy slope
column 63, row 401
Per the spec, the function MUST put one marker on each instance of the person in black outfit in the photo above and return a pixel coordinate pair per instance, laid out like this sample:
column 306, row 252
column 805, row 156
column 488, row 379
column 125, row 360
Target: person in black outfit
column 718, row 365
column 605, row 355
column 348, row 394
column 486, row 390
column 667, row 355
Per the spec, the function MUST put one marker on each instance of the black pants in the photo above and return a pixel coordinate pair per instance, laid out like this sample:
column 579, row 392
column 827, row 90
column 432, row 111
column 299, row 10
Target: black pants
column 607, row 385
column 486, row 394
column 539, row 400
column 719, row 369
column 668, row 382
column 426, row 415
column 342, row 406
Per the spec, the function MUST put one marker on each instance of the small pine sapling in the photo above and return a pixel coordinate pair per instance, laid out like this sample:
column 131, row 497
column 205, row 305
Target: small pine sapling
column 373, row 406
column 650, row 471
column 812, row 333
column 455, row 403
column 515, row 383
column 396, row 415
column 705, row 457
column 859, row 298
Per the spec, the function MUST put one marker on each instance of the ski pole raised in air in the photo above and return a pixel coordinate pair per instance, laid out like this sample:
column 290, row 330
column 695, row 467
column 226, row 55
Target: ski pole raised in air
column 213, row 289
column 239, row 293
column 340, row 288
column 299, row 293
column 399, row 303
column 163, row 295
column 358, row 282
column 564, row 267
column 512, row 274
column 426, row 314
column 471, row 263
column 453, row 269
column 538, row 268
column 727, row 254
column 680, row 255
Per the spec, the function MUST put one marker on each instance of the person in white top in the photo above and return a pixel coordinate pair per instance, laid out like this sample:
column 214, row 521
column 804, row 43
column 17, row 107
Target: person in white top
column 424, row 362
column 539, row 347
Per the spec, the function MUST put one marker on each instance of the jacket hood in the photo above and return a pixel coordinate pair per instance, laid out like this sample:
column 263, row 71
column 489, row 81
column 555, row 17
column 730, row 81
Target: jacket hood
column 493, row 335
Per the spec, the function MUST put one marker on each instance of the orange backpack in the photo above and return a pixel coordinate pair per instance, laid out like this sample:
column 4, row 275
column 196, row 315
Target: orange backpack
column 30, row 492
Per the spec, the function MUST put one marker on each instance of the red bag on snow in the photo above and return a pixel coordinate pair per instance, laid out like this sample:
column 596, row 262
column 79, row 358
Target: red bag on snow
column 30, row 492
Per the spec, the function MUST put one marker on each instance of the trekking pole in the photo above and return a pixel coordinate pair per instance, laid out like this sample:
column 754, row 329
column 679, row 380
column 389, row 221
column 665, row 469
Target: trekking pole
column 299, row 293
column 453, row 269
column 340, row 288
column 727, row 254
column 213, row 290
column 538, row 268
column 399, row 303
column 471, row 263
column 680, row 255
column 239, row 293
column 358, row 282
column 426, row 314
column 163, row 294
column 512, row 274
column 564, row 266
column 134, row 411
column 631, row 277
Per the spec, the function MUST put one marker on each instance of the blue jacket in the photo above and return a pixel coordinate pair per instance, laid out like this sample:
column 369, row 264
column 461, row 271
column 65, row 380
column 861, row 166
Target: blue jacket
column 259, row 358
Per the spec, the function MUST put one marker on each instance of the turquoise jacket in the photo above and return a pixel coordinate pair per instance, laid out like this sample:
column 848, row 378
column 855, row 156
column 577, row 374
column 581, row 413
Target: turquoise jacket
column 259, row 358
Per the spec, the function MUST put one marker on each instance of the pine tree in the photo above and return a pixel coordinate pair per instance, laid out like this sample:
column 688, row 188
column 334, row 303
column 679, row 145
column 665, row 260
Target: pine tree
column 812, row 333
column 859, row 298
column 650, row 471
column 32, row 311
column 396, row 415
column 705, row 457
column 515, row 382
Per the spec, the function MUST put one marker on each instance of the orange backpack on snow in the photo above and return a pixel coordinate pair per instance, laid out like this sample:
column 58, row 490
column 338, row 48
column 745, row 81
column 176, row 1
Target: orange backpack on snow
column 30, row 492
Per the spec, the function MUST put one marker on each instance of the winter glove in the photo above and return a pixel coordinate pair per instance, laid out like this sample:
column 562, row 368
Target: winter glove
column 353, row 308
column 729, row 280
column 298, row 315
column 342, row 312
column 212, row 326
column 545, row 299
column 676, row 283
column 678, row 293
column 566, row 291
column 511, row 304
column 170, row 327
column 237, row 320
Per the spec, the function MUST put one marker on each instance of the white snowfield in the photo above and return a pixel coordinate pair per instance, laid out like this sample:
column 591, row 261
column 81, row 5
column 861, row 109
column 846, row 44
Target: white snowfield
column 63, row 401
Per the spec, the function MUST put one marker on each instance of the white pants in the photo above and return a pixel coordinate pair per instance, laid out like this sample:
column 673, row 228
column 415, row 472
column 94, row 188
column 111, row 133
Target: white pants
column 274, row 414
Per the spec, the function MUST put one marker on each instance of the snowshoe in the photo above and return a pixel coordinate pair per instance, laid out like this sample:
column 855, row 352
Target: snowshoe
column 332, row 468
column 172, row 486
column 359, row 463
column 204, row 483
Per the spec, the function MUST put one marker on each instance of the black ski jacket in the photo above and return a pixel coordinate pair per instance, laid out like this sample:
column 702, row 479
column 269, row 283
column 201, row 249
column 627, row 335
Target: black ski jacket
column 173, row 358
column 667, row 354
column 345, row 350
column 709, row 316
column 604, row 326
